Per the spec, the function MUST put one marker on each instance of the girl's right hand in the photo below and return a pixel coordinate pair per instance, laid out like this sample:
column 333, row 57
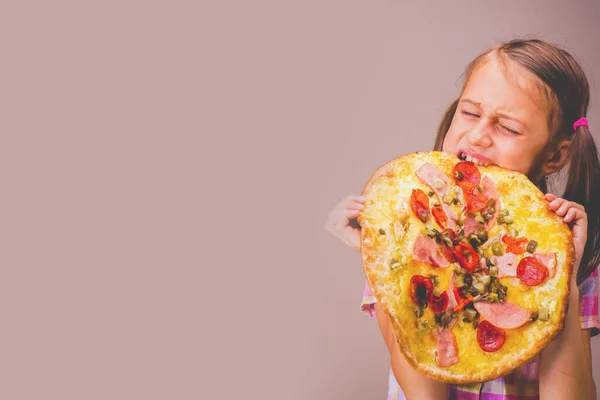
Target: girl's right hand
column 342, row 220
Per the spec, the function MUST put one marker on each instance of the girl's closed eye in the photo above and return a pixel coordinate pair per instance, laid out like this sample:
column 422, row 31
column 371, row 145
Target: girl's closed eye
column 469, row 114
column 509, row 130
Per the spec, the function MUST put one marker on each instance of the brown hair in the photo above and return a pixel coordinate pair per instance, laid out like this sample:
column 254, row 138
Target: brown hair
column 567, row 90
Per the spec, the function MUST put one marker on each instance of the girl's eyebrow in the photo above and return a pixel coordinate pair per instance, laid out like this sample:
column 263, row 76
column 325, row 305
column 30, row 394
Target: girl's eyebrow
column 498, row 113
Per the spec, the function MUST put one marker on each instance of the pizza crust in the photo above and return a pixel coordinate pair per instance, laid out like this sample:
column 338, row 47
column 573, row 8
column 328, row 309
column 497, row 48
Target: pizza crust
column 479, row 367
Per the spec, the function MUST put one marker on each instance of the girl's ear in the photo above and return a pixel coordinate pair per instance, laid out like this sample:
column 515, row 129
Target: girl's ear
column 557, row 158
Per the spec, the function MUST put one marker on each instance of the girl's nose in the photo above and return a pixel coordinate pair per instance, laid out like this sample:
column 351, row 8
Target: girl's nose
column 479, row 136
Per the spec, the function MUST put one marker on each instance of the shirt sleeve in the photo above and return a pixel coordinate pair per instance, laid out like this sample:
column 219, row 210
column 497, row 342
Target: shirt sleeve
column 368, row 300
column 588, row 314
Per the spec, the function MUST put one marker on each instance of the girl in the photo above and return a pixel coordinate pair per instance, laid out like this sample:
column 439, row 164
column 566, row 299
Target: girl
column 522, row 107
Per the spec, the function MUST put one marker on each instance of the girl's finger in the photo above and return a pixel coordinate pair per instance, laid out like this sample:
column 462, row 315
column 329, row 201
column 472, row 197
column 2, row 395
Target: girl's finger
column 351, row 213
column 562, row 210
column 359, row 199
column 549, row 196
column 571, row 214
column 354, row 205
column 556, row 203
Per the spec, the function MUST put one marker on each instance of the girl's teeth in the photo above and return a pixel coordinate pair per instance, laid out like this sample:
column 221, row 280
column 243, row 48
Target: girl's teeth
column 475, row 161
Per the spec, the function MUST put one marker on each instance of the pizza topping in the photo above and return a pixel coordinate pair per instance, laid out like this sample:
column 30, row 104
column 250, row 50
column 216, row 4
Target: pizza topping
column 531, row 271
column 419, row 312
column 439, row 303
column 515, row 245
column 469, row 315
column 543, row 315
column 531, row 246
column 473, row 197
column 426, row 250
column 466, row 171
column 504, row 218
column 503, row 315
column 549, row 261
column 421, row 289
column 461, row 301
column 434, row 178
column 447, row 348
column 506, row 264
column 442, row 319
column 440, row 216
column 419, row 203
column 492, row 206
column 497, row 249
column 489, row 337
column 467, row 256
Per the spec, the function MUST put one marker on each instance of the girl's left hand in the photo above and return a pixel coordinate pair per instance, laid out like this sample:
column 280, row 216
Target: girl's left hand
column 574, row 214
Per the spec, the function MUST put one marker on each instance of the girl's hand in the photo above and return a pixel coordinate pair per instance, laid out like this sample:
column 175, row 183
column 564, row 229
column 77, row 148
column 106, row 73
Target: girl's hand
column 574, row 214
column 342, row 220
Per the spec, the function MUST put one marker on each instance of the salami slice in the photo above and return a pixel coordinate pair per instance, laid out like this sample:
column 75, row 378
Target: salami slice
column 531, row 271
column 489, row 337
column 467, row 171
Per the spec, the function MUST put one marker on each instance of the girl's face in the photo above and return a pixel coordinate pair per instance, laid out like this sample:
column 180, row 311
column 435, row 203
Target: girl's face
column 501, row 119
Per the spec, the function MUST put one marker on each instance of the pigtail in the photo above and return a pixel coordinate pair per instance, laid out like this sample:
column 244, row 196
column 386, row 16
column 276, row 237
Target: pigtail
column 445, row 125
column 583, row 187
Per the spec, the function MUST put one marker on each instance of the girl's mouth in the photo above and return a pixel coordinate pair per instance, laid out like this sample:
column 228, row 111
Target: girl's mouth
column 474, row 158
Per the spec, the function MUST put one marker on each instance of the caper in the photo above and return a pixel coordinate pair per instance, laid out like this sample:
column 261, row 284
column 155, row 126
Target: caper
column 508, row 220
column 491, row 203
column 531, row 246
column 475, row 324
column 491, row 210
column 479, row 187
column 459, row 175
column 418, row 312
column 493, row 270
column 430, row 194
column 497, row 249
column 468, row 279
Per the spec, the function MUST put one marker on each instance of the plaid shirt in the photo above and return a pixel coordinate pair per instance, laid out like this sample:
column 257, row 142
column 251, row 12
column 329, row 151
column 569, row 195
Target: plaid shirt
column 522, row 384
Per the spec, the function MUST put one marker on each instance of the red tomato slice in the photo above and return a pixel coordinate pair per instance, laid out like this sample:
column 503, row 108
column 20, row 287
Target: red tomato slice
column 467, row 171
column 515, row 245
column 419, row 203
column 440, row 216
column 421, row 290
column 439, row 304
column 466, row 256
column 531, row 271
column 489, row 337
column 460, row 300
column 473, row 197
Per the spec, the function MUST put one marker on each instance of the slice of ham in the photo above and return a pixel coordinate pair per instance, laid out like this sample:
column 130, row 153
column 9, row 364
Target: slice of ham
column 507, row 265
column 470, row 225
column 428, row 173
column 549, row 261
column 503, row 315
column 452, row 302
column 427, row 250
column 447, row 348
column 490, row 192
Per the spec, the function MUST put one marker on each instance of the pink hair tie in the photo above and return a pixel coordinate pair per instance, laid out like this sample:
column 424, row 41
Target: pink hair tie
column 580, row 122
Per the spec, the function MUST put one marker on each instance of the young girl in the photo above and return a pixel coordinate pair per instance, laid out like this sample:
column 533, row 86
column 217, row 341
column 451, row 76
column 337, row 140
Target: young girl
column 522, row 107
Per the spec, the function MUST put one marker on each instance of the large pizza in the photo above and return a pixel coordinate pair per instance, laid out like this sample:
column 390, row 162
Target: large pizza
column 469, row 262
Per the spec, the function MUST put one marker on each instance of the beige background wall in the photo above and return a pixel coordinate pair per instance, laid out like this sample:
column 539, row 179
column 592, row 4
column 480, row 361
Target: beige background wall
column 168, row 168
